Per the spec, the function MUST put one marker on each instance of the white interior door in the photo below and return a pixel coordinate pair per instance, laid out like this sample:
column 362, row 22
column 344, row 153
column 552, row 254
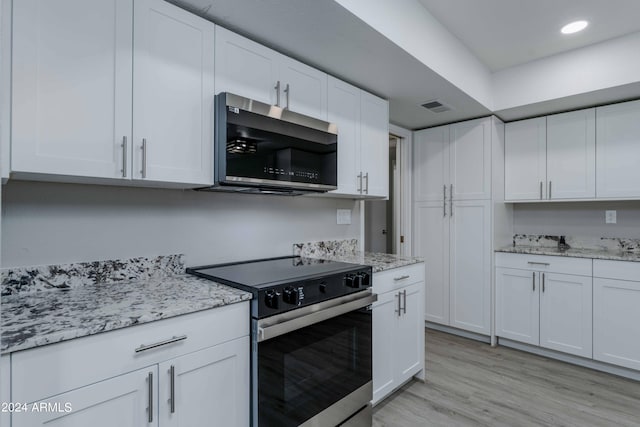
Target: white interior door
column 173, row 94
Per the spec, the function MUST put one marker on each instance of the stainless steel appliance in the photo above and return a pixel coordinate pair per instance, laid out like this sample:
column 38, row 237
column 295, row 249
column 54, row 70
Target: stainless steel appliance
column 311, row 339
column 265, row 148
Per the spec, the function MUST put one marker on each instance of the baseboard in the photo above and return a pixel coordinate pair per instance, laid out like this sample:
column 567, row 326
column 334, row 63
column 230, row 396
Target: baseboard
column 459, row 332
column 575, row 360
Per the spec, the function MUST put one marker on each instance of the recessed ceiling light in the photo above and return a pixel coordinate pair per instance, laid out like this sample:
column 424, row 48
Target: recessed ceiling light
column 574, row 27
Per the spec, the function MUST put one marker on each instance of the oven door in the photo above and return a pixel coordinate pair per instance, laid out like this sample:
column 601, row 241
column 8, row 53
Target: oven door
column 312, row 366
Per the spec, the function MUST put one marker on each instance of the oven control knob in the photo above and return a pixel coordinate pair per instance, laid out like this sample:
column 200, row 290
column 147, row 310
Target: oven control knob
column 323, row 287
column 365, row 280
column 351, row 281
column 271, row 299
column 290, row 295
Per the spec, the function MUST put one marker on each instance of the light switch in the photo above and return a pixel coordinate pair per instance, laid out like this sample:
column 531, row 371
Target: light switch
column 343, row 216
column 610, row 217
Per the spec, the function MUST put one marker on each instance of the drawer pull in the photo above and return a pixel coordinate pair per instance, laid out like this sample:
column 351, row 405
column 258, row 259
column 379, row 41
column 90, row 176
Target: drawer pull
column 401, row 278
column 538, row 263
column 171, row 340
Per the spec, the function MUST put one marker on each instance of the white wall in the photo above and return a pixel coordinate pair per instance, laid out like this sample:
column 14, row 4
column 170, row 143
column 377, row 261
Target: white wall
column 48, row 223
column 578, row 219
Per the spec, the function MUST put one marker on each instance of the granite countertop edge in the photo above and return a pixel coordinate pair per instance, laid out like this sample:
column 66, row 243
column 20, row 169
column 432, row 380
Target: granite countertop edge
column 67, row 323
column 379, row 262
column 573, row 253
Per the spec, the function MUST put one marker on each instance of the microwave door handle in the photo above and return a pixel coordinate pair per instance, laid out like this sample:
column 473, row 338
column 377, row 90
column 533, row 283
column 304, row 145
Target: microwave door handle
column 266, row 331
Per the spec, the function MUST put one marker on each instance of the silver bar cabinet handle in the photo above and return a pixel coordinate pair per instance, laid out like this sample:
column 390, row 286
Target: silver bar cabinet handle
column 404, row 297
column 542, row 282
column 360, row 183
column 172, row 391
column 171, row 340
column 144, row 158
column 444, row 200
column 540, row 190
column 366, row 188
column 399, row 310
column 277, row 88
column 124, row 157
column 549, row 190
column 150, row 407
column 451, row 200
column 537, row 263
column 286, row 91
column 401, row 278
column 534, row 281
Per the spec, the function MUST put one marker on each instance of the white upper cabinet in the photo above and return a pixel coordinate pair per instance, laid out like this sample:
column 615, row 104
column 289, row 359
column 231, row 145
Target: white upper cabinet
column 618, row 150
column 72, row 87
column 246, row 68
column 374, row 148
column 571, row 155
column 431, row 164
column 90, row 100
column 344, row 112
column 362, row 120
column 525, row 166
column 249, row 69
column 470, row 160
column 173, row 81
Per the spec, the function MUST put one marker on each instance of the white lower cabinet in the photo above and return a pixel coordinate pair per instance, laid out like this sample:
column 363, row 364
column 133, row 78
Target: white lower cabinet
column 197, row 372
column 537, row 304
column 616, row 298
column 398, row 328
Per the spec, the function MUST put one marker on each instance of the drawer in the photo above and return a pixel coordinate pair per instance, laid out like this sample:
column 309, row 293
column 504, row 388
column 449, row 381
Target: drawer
column 45, row 371
column 395, row 278
column 545, row 263
column 621, row 270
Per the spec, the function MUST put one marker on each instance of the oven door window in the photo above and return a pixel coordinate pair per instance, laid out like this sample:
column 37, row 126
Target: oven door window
column 306, row 371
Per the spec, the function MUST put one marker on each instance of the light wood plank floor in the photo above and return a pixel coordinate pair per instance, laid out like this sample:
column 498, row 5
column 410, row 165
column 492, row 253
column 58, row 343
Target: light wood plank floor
column 471, row 384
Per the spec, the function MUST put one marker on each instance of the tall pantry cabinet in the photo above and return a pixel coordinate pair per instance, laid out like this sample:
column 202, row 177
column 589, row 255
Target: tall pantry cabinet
column 459, row 218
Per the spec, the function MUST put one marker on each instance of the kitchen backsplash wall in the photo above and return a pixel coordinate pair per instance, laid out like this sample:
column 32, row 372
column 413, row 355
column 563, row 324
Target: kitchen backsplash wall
column 49, row 223
column 578, row 219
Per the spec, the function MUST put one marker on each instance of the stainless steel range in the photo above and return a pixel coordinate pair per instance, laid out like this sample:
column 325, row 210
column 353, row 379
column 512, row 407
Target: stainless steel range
column 311, row 339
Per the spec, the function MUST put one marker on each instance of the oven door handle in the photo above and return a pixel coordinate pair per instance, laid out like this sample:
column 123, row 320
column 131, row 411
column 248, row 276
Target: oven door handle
column 267, row 330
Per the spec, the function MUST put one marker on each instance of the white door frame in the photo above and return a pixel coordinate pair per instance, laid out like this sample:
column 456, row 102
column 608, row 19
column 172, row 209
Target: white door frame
column 403, row 161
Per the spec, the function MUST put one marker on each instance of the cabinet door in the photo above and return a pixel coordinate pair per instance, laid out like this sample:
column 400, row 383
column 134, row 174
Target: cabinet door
column 173, row 94
column 571, row 155
column 344, row 111
column 618, row 150
column 525, row 163
column 431, row 242
column 470, row 266
column 410, row 334
column 566, row 314
column 470, row 160
column 210, row 384
column 245, row 68
column 374, row 145
column 431, row 164
column 304, row 89
column 71, row 103
column 616, row 336
column 518, row 305
column 121, row 401
column 385, row 319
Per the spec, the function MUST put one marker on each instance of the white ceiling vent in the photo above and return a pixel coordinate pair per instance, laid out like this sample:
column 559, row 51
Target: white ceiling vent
column 436, row 106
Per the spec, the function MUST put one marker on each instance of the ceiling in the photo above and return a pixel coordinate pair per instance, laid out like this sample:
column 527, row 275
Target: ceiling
column 325, row 35
column 525, row 30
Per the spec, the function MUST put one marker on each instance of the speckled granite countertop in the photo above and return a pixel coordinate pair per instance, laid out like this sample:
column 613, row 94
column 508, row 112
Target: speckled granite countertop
column 607, row 248
column 574, row 252
column 41, row 317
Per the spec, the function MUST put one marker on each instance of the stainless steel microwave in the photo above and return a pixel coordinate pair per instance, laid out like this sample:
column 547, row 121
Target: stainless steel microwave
column 262, row 148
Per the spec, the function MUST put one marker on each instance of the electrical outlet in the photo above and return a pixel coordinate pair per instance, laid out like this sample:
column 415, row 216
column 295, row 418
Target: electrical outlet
column 343, row 216
column 610, row 217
